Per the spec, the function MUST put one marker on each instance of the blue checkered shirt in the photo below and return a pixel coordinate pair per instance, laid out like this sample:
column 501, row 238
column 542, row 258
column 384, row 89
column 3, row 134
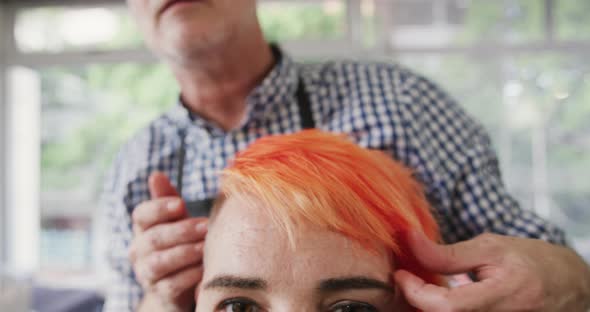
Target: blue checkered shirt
column 381, row 106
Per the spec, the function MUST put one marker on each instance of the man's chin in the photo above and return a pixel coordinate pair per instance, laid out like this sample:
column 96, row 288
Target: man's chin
column 190, row 48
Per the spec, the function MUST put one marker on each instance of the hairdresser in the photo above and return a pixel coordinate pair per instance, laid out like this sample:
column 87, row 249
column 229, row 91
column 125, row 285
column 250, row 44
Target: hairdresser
column 235, row 88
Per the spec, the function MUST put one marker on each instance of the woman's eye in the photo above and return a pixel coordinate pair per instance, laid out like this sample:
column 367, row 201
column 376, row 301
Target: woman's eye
column 238, row 305
column 353, row 307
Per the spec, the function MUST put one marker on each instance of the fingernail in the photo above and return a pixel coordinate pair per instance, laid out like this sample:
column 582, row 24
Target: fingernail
column 201, row 227
column 173, row 204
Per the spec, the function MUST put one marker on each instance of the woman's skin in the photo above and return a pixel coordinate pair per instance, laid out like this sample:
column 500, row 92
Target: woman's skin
column 250, row 265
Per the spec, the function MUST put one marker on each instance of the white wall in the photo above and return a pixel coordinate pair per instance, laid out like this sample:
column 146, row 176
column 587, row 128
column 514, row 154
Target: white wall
column 2, row 137
column 19, row 157
column 23, row 169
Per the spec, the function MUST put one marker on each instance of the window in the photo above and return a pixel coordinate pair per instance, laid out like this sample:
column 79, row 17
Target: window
column 66, row 28
column 86, row 114
column 519, row 66
column 458, row 22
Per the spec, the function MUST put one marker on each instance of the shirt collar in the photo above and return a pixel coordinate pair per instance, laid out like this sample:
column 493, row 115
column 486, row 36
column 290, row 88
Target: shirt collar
column 277, row 88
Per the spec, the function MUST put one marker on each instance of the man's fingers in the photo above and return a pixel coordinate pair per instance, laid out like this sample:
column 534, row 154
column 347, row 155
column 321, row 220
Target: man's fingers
column 160, row 186
column 177, row 284
column 456, row 258
column 156, row 211
column 419, row 294
column 479, row 296
column 162, row 263
column 167, row 235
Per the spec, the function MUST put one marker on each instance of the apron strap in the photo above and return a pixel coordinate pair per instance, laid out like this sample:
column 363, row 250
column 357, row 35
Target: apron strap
column 304, row 106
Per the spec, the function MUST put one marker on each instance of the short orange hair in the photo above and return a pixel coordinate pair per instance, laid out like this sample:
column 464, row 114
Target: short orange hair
column 323, row 179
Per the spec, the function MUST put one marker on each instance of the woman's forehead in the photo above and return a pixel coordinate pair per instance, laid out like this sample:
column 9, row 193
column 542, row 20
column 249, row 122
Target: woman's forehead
column 244, row 241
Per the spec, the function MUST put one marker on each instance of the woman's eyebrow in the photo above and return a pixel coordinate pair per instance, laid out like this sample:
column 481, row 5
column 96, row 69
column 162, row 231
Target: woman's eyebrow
column 231, row 281
column 351, row 283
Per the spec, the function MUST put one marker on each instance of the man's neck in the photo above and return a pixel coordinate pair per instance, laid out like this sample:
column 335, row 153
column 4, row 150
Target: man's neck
column 216, row 83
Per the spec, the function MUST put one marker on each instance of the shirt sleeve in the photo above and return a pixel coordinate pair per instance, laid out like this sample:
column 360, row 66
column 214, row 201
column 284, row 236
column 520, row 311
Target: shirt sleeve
column 456, row 160
column 123, row 292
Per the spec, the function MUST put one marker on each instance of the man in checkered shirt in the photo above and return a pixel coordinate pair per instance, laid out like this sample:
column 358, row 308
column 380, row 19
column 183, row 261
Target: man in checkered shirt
column 235, row 89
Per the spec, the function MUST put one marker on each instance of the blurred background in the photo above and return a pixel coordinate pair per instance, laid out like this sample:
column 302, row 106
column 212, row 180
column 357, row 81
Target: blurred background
column 76, row 81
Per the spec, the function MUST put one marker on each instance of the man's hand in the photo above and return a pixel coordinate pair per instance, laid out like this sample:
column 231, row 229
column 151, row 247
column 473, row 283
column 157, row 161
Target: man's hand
column 167, row 249
column 514, row 274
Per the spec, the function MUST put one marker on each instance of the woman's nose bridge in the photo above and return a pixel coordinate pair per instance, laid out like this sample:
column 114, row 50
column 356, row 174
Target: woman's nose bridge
column 298, row 306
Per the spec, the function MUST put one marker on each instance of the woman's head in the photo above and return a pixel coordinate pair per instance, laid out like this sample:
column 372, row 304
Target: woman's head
column 310, row 222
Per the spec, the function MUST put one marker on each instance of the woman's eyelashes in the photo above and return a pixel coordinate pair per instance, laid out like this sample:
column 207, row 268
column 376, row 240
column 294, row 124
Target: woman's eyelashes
column 352, row 306
column 248, row 305
column 239, row 305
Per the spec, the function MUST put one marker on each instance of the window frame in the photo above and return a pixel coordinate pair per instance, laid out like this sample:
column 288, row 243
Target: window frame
column 3, row 136
column 351, row 46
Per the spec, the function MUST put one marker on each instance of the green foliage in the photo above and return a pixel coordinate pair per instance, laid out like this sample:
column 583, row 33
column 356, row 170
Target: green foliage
column 284, row 21
column 128, row 34
column 119, row 100
column 572, row 19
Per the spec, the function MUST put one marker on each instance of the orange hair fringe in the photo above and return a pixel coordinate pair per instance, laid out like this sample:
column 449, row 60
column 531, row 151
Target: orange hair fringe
column 323, row 179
